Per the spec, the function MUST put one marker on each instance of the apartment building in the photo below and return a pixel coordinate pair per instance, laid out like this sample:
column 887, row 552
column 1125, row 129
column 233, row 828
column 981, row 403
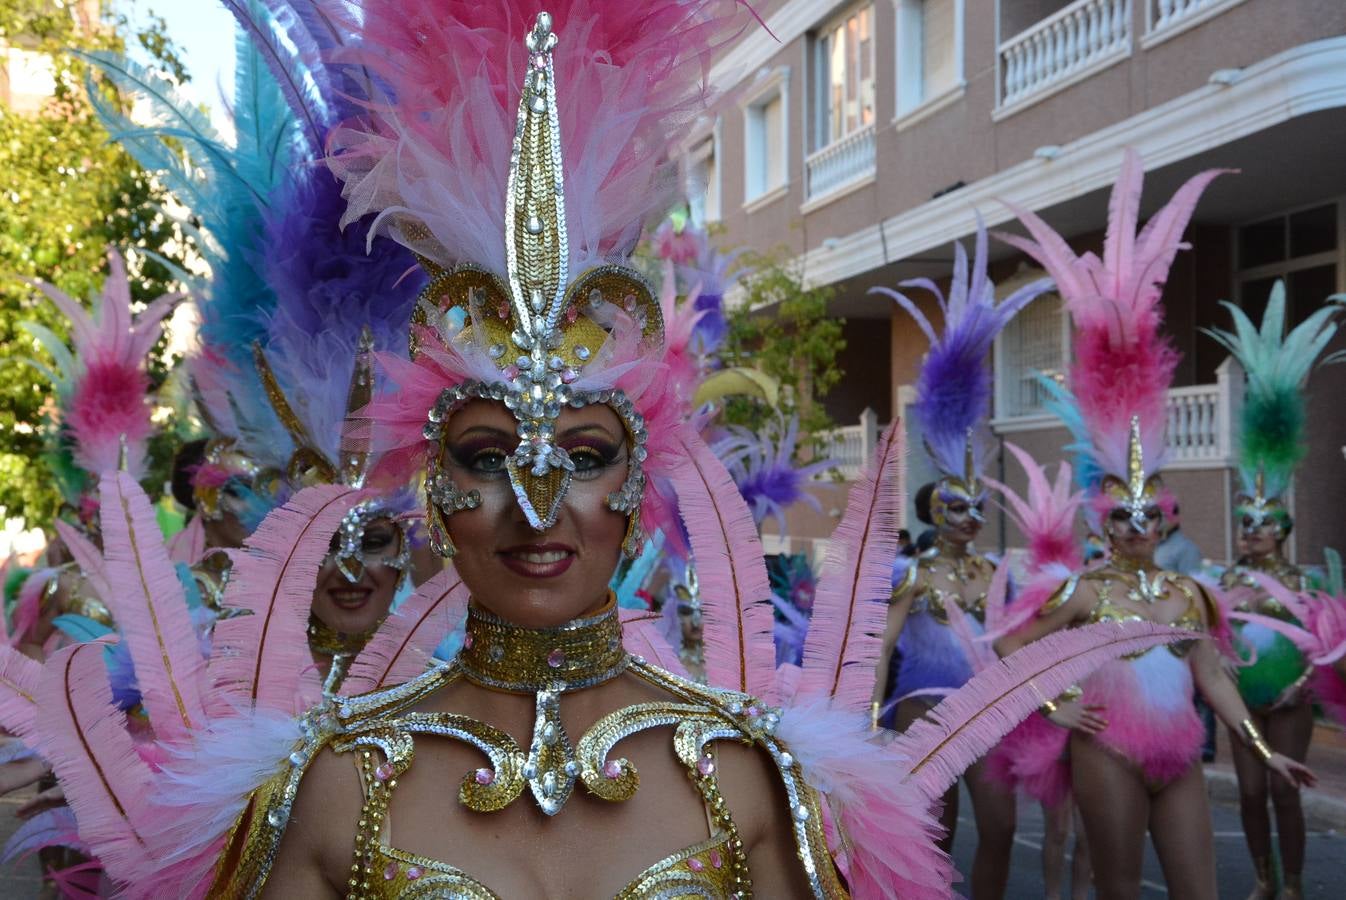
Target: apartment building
column 864, row 137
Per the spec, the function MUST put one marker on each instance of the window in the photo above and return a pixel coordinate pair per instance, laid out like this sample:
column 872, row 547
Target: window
column 766, row 136
column 1301, row 248
column 930, row 48
column 1035, row 342
column 703, row 180
column 843, row 78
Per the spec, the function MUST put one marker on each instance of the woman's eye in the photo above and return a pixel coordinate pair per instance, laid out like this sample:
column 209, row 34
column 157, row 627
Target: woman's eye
column 489, row 461
column 590, row 459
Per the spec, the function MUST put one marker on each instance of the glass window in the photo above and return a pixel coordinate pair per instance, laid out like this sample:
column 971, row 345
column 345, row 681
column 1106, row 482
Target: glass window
column 1262, row 243
column 765, row 145
column 1313, row 231
column 1032, row 343
column 927, row 54
column 703, row 183
column 844, row 73
column 1299, row 248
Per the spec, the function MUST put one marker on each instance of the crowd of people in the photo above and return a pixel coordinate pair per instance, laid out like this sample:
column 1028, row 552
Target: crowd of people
column 472, row 601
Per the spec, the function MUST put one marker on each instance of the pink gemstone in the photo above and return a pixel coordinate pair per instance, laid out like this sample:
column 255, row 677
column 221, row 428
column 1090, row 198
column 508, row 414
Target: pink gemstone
column 705, row 765
column 485, row 776
column 390, row 871
column 502, row 310
column 752, row 710
column 715, row 859
column 612, row 769
column 467, row 641
column 572, row 313
column 556, row 658
column 413, row 873
column 384, row 772
column 695, row 864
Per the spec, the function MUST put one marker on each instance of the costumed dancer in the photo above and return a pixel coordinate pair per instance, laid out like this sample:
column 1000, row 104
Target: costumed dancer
column 295, row 311
column 1142, row 770
column 545, row 465
column 1272, row 671
column 923, row 658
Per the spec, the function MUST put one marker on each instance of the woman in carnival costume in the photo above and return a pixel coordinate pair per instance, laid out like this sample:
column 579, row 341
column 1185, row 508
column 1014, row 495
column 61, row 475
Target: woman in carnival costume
column 927, row 659
column 292, row 316
column 774, row 785
column 1273, row 672
column 1135, row 747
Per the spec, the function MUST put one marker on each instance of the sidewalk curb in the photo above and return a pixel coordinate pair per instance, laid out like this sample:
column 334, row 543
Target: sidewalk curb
column 1322, row 811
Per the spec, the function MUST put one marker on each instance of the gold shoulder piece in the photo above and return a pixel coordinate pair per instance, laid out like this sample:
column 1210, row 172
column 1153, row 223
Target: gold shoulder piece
column 908, row 583
column 1061, row 596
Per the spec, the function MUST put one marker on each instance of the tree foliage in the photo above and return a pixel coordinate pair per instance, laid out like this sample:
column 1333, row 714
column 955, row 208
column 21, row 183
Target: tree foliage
column 783, row 328
column 67, row 195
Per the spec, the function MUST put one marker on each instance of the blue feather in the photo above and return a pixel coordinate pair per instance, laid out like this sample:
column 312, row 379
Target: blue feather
column 80, row 628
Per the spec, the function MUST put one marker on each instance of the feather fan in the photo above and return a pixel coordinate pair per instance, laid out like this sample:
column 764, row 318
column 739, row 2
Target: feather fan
column 261, row 659
column 643, row 636
column 1271, row 422
column 84, row 736
column 850, row 608
column 86, row 556
column 20, row 677
column 953, row 389
column 151, row 611
column 963, row 727
column 189, row 544
column 1123, row 363
column 402, row 647
column 732, row 575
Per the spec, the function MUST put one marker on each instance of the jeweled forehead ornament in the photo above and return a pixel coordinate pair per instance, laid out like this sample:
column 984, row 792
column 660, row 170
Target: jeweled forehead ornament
column 540, row 329
column 1137, row 494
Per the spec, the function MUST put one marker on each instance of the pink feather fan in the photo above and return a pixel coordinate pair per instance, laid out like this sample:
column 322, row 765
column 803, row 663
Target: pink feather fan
column 1123, row 365
column 87, row 557
column 643, row 636
column 151, row 610
column 20, row 677
column 261, row 660
column 850, row 610
column 400, row 650
column 108, row 401
column 736, row 610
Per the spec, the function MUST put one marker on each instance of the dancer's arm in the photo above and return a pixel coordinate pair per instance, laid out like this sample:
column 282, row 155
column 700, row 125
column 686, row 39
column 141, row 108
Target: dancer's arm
column 897, row 618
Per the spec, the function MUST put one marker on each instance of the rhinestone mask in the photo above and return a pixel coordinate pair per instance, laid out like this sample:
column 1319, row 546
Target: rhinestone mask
column 539, row 328
column 1257, row 509
column 1137, row 494
column 967, row 488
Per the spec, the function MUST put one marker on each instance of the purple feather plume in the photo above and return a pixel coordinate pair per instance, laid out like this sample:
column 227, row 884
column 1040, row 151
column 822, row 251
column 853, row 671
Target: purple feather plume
column 764, row 469
column 953, row 390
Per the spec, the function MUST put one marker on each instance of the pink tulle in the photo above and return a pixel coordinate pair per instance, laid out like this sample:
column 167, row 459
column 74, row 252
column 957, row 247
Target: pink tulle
column 1032, row 758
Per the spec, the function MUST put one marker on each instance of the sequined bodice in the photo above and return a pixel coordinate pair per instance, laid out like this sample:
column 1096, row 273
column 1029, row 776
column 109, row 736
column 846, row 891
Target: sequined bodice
column 1142, row 588
column 380, row 731
column 1240, row 575
column 935, row 580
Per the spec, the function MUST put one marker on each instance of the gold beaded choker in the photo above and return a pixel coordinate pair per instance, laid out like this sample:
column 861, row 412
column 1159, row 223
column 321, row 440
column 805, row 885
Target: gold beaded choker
column 579, row 654
column 327, row 641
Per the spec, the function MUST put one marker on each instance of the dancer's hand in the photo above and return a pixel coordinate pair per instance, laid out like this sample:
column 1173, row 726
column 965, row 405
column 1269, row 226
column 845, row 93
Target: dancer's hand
column 20, row 773
column 1294, row 772
column 1075, row 715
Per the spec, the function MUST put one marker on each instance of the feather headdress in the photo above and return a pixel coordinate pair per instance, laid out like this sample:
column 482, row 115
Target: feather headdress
column 520, row 155
column 1123, row 365
column 103, row 388
column 1271, row 423
column 953, row 389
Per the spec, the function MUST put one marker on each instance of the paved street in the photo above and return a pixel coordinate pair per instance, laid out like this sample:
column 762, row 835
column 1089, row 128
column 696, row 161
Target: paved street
column 1325, row 865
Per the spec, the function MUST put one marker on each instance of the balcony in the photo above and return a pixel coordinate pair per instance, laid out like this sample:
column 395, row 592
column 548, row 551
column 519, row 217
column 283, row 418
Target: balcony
column 1167, row 18
column 1067, row 46
column 851, row 447
column 840, row 166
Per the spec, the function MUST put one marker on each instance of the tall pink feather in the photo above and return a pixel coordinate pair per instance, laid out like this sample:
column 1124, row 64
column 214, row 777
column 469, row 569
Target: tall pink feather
column 262, row 659
column 401, row 648
column 151, row 610
column 87, row 557
column 643, row 636
column 84, row 736
column 850, row 607
column 1123, row 364
column 19, row 680
column 735, row 590
column 970, row 721
column 108, row 401
column 189, row 544
column 1046, row 517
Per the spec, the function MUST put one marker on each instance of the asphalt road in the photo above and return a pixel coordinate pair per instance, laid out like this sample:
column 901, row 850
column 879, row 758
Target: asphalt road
column 1324, row 875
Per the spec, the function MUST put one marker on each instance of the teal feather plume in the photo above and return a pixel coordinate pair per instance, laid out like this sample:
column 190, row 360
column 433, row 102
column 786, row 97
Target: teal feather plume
column 1271, row 433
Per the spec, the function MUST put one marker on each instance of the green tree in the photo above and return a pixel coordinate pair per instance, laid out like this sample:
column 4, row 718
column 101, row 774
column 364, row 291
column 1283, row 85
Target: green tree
column 784, row 329
column 67, row 195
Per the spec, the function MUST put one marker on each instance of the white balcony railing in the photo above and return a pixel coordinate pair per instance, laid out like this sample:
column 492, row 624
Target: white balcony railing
column 852, row 446
column 1169, row 15
column 840, row 164
column 1083, row 36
